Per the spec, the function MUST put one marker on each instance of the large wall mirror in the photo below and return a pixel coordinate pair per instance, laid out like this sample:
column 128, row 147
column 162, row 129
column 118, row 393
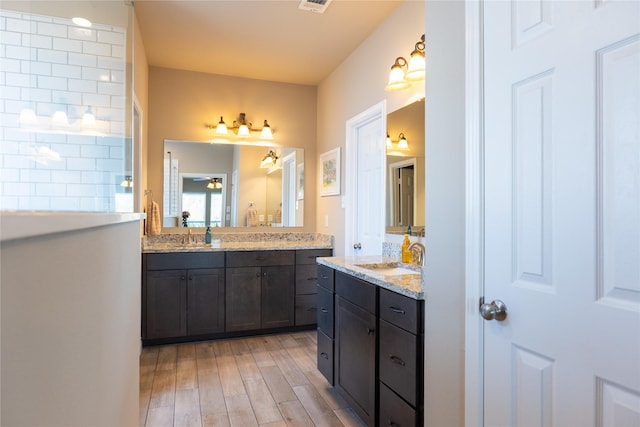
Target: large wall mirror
column 405, row 187
column 232, row 185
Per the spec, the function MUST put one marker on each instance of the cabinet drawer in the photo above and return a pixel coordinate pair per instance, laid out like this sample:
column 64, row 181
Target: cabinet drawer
column 325, row 277
column 325, row 356
column 400, row 310
column 306, row 279
column 306, row 309
column 325, row 311
column 260, row 258
column 394, row 411
column 398, row 355
column 308, row 256
column 356, row 291
column 184, row 260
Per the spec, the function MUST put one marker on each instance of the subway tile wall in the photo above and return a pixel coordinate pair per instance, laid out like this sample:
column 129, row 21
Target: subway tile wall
column 49, row 65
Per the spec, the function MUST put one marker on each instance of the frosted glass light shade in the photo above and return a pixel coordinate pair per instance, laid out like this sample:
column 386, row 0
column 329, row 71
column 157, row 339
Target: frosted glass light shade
column 402, row 143
column 416, row 69
column 28, row 117
column 397, row 79
column 266, row 131
column 59, row 118
column 243, row 130
column 221, row 129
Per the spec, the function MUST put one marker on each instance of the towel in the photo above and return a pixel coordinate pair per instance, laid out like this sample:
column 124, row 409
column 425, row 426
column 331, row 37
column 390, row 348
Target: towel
column 278, row 219
column 154, row 226
column 252, row 217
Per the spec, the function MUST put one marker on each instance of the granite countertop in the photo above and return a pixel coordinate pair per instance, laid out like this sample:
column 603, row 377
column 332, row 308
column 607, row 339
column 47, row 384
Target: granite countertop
column 237, row 242
column 409, row 285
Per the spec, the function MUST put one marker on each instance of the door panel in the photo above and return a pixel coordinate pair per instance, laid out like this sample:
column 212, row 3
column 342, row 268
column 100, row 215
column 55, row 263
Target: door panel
column 562, row 212
column 278, row 307
column 242, row 297
column 205, row 301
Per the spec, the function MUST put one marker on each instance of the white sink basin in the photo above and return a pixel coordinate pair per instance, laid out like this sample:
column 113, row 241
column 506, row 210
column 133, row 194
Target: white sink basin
column 388, row 269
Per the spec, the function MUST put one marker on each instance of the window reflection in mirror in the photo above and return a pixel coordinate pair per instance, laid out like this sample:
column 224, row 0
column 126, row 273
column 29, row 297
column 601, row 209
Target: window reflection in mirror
column 405, row 187
column 249, row 196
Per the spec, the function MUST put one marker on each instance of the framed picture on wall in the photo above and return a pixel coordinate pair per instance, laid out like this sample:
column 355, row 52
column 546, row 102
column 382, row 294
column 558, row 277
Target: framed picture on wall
column 330, row 173
column 300, row 181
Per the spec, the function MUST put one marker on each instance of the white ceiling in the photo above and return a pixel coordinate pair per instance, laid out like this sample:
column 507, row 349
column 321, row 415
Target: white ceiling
column 257, row 39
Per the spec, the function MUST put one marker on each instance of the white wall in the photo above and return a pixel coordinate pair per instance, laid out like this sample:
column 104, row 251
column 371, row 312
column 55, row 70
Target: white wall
column 70, row 316
column 357, row 84
column 445, row 226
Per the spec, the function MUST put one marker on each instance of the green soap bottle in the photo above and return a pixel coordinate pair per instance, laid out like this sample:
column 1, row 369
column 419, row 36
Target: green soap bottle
column 207, row 235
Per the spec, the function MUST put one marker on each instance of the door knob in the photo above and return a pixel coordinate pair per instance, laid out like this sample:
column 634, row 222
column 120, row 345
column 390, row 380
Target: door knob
column 495, row 310
column 357, row 246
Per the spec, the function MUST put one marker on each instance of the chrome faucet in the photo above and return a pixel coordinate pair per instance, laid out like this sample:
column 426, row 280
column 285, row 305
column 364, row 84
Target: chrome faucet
column 420, row 250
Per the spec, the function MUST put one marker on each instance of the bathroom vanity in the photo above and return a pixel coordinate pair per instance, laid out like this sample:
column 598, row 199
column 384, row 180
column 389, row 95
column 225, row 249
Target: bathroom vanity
column 195, row 291
column 371, row 337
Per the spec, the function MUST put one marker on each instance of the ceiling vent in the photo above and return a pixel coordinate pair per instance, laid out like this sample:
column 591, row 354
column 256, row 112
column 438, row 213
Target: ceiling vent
column 318, row 6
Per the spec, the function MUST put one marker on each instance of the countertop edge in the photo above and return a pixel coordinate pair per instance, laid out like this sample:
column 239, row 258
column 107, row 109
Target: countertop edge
column 16, row 225
column 363, row 274
column 250, row 246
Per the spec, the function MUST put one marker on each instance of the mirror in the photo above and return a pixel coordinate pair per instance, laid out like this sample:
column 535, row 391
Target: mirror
column 405, row 189
column 229, row 185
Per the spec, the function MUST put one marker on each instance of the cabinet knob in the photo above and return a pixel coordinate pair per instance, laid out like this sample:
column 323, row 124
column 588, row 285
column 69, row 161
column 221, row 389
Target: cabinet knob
column 258, row 274
column 324, row 355
column 370, row 331
column 190, row 277
column 312, row 309
column 325, row 277
column 324, row 310
column 392, row 424
column 182, row 277
column 312, row 278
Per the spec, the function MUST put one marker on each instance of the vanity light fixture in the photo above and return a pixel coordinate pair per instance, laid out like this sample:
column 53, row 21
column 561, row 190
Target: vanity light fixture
column 402, row 143
column 403, row 72
column 269, row 160
column 88, row 119
column 215, row 184
column 242, row 127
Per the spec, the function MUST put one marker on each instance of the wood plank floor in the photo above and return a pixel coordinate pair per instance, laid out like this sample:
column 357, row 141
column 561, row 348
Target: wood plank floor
column 268, row 380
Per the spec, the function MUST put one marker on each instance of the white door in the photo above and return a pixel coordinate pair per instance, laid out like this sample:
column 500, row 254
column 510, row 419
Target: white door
column 562, row 212
column 364, row 225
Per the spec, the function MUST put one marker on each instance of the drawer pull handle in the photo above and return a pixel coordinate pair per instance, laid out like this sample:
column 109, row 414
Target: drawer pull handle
column 312, row 309
column 260, row 258
column 370, row 331
column 312, row 278
column 190, row 277
column 325, row 277
column 396, row 310
column 324, row 310
column 324, row 355
column 396, row 360
column 392, row 424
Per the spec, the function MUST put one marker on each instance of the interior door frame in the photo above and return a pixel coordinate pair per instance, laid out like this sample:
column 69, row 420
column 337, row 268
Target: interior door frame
column 474, row 213
column 375, row 112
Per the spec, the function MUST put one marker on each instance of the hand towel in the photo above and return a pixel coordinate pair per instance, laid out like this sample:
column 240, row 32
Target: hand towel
column 154, row 226
column 252, row 217
column 278, row 219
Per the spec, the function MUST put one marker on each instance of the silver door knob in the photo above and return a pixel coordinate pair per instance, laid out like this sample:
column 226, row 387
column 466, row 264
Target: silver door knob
column 495, row 310
column 357, row 246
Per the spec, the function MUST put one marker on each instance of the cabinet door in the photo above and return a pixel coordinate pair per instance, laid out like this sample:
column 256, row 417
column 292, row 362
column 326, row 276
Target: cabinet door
column 205, row 301
column 166, row 297
column 277, row 296
column 355, row 373
column 242, row 298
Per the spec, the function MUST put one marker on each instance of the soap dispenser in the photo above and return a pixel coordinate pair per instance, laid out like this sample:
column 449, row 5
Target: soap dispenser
column 406, row 253
column 207, row 235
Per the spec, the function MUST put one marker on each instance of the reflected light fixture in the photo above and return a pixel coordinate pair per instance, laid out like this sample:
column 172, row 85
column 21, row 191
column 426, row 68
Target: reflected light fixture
column 403, row 73
column 402, row 142
column 127, row 182
column 269, row 160
column 242, row 127
column 60, row 119
column 389, row 143
column 27, row 117
column 215, row 184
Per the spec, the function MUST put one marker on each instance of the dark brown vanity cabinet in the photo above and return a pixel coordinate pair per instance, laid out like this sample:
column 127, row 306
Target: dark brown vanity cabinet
column 325, row 319
column 182, row 295
column 355, row 344
column 259, row 290
column 306, row 285
column 401, row 349
column 378, row 338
